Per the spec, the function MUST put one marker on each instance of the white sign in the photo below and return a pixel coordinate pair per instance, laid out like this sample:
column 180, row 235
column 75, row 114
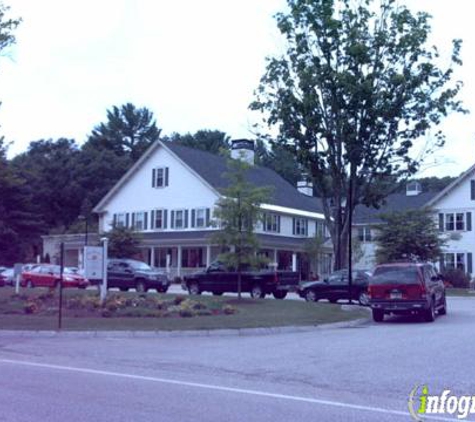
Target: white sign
column 93, row 262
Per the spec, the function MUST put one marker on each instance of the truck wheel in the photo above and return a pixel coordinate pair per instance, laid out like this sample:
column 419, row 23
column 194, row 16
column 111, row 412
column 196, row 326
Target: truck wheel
column 140, row 287
column 429, row 314
column 378, row 315
column 124, row 289
column 310, row 296
column 443, row 309
column 280, row 294
column 194, row 289
column 217, row 293
column 363, row 299
column 257, row 292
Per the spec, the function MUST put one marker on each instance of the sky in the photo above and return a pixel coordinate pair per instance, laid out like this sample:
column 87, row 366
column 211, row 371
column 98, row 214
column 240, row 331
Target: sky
column 194, row 64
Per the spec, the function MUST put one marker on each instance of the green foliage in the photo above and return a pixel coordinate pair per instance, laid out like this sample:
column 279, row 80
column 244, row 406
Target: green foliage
column 356, row 89
column 123, row 243
column 129, row 131
column 206, row 140
column 408, row 235
column 7, row 26
column 238, row 211
column 456, row 278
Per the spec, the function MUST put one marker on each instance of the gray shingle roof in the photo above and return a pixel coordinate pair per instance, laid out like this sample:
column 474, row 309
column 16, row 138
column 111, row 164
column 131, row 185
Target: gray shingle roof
column 213, row 169
column 396, row 202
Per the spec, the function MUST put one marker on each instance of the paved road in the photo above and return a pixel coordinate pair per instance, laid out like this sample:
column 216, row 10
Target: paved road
column 332, row 374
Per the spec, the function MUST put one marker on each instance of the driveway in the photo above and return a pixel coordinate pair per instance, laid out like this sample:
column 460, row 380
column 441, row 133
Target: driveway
column 328, row 374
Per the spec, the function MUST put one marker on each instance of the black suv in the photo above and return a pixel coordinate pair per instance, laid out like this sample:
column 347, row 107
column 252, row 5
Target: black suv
column 407, row 288
column 129, row 273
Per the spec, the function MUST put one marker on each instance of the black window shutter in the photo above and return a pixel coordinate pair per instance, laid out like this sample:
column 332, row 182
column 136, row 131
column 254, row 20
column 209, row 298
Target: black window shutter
column 208, row 217
column 441, row 263
column 145, row 217
column 193, row 216
column 164, row 219
column 306, row 227
column 172, row 218
column 166, row 176
column 441, row 222
column 469, row 222
column 472, row 190
column 154, row 178
column 469, row 262
column 127, row 220
column 114, row 221
column 133, row 220
column 278, row 224
column 152, row 220
column 293, row 226
column 186, row 219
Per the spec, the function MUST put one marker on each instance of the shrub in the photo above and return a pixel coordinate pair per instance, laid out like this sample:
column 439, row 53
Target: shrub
column 106, row 313
column 456, row 278
column 229, row 310
column 178, row 299
column 186, row 313
column 30, row 308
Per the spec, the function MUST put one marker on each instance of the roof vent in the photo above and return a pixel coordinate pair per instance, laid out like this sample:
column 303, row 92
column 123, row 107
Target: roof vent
column 243, row 149
column 413, row 189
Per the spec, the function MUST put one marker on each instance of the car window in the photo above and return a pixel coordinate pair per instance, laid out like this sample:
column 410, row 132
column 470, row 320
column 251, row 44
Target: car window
column 395, row 275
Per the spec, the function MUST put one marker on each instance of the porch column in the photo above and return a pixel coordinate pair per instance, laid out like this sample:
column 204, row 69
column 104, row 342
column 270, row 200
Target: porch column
column 275, row 259
column 208, row 256
column 294, row 261
column 152, row 256
column 178, row 264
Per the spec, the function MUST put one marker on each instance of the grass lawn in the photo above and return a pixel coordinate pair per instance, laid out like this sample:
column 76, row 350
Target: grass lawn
column 247, row 313
column 459, row 292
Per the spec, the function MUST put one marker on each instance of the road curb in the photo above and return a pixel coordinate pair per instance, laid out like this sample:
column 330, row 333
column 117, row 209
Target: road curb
column 187, row 333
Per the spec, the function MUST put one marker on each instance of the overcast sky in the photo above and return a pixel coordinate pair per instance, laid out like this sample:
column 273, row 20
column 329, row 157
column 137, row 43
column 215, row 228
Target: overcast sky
column 193, row 63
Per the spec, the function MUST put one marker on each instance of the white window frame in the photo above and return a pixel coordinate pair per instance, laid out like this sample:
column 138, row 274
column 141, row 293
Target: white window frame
column 121, row 219
column 455, row 221
column 162, row 214
column 175, row 215
column 458, row 260
column 142, row 221
column 364, row 234
column 197, row 218
column 301, row 227
column 160, row 175
column 271, row 223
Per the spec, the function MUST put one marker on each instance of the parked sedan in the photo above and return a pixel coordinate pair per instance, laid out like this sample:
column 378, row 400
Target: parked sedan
column 335, row 287
column 47, row 275
column 8, row 274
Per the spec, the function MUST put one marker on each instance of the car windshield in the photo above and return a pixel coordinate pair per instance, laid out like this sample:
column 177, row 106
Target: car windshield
column 395, row 275
column 142, row 266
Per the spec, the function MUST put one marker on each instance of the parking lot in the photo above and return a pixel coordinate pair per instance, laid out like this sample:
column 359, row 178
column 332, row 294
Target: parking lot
column 362, row 374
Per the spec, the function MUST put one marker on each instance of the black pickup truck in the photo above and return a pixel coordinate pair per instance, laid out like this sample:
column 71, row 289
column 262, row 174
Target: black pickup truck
column 217, row 279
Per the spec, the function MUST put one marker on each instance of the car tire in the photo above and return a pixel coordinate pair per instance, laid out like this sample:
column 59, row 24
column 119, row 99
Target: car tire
column 162, row 289
column 429, row 314
column 378, row 315
column 310, row 296
column 217, row 293
column 140, row 287
column 363, row 299
column 280, row 294
column 29, row 284
column 257, row 292
column 124, row 289
column 194, row 289
column 332, row 300
column 443, row 308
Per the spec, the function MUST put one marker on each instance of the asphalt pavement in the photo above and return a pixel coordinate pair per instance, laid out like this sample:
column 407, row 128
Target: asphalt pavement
column 364, row 373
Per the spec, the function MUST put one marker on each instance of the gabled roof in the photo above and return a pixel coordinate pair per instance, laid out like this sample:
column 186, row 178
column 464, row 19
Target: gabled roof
column 397, row 202
column 453, row 185
column 212, row 169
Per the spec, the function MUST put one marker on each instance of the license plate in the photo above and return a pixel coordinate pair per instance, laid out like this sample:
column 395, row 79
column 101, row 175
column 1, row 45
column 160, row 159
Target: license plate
column 396, row 295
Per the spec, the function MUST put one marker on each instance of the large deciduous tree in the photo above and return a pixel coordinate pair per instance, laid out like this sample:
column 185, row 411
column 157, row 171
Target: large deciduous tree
column 238, row 211
column 409, row 235
column 129, row 131
column 352, row 97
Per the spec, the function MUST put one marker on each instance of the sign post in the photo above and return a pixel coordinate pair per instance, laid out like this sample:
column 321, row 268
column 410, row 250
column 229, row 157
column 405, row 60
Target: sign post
column 104, row 270
column 17, row 276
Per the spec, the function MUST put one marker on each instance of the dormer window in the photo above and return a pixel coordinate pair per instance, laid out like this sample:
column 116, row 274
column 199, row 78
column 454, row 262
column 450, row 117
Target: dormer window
column 160, row 177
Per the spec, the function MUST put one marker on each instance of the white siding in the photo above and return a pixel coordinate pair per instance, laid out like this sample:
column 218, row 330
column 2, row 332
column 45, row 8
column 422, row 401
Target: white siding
column 184, row 191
